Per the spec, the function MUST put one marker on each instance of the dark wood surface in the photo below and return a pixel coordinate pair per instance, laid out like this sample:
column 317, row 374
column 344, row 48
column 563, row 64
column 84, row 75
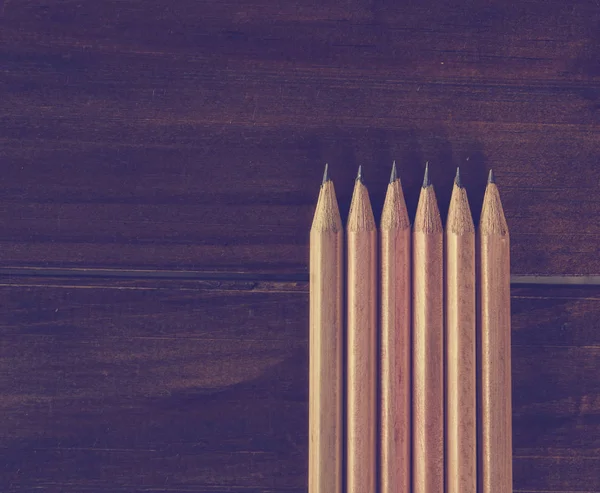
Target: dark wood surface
column 202, row 386
column 140, row 137
column 192, row 135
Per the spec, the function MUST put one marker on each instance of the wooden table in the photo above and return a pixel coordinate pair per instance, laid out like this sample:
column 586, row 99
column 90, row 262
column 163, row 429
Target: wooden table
column 159, row 166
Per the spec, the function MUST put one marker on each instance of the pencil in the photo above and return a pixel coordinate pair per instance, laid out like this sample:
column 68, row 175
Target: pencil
column 395, row 341
column 494, row 348
column 362, row 343
column 325, row 345
column 428, row 342
column 461, row 410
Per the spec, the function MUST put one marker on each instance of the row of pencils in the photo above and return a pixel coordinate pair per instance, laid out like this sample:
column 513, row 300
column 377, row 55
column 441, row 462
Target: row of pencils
column 415, row 393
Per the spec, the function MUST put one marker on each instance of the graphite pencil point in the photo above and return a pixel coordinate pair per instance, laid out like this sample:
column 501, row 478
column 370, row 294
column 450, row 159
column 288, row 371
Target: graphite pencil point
column 359, row 176
column 491, row 177
column 426, row 180
column 457, row 179
column 326, row 174
column 394, row 174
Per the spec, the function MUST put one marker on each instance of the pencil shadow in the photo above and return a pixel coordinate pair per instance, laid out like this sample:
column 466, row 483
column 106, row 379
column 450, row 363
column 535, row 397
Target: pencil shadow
column 422, row 148
column 350, row 164
column 473, row 174
column 442, row 170
column 411, row 162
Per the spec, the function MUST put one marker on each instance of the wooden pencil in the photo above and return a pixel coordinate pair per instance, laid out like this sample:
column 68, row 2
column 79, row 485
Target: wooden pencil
column 494, row 347
column 325, row 345
column 461, row 386
column 428, row 345
column 362, row 343
column 395, row 381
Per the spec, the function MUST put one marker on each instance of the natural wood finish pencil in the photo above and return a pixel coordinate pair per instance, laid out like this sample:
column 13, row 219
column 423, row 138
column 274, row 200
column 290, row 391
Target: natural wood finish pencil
column 494, row 347
column 461, row 386
column 325, row 345
column 428, row 345
column 395, row 381
column 362, row 343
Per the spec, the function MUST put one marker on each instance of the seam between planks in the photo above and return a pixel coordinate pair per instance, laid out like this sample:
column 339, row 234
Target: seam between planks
column 140, row 274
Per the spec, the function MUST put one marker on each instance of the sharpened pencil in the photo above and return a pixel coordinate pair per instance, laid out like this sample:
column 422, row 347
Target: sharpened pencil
column 395, row 371
column 461, row 386
column 362, row 343
column 494, row 351
column 428, row 345
column 325, row 345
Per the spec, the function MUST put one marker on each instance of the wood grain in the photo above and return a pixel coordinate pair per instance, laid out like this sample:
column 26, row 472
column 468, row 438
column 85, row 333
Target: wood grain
column 428, row 461
column 326, row 345
column 124, row 385
column 116, row 387
column 192, row 135
column 361, row 344
column 395, row 362
column 134, row 134
column 460, row 346
column 494, row 411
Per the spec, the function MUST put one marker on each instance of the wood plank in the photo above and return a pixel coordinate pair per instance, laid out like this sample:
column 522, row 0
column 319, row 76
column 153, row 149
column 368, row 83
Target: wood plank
column 120, row 387
column 556, row 408
column 193, row 135
column 538, row 39
column 556, row 474
column 555, row 316
column 131, row 385
column 96, row 205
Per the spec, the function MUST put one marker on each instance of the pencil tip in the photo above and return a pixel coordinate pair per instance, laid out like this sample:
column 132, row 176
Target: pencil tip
column 326, row 174
column 491, row 177
column 394, row 174
column 359, row 176
column 457, row 180
column 426, row 180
